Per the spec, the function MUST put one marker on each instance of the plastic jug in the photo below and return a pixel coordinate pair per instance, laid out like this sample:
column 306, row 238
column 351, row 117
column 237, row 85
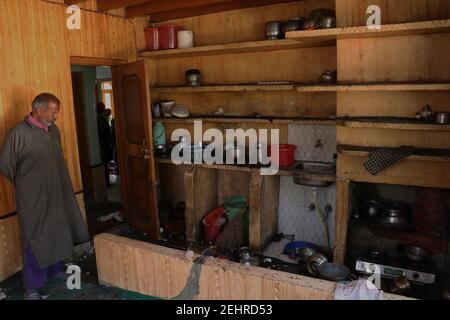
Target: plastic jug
column 159, row 134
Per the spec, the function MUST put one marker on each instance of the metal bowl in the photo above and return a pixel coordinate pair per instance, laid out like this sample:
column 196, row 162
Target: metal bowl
column 416, row 254
column 334, row 271
column 293, row 24
column 327, row 22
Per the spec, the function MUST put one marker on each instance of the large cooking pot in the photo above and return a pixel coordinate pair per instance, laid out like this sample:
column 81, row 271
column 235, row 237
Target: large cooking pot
column 394, row 216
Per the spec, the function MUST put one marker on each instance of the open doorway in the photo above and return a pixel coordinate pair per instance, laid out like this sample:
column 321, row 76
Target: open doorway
column 97, row 144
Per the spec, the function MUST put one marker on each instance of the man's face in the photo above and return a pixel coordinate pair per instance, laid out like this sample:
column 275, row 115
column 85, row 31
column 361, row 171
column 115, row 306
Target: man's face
column 50, row 114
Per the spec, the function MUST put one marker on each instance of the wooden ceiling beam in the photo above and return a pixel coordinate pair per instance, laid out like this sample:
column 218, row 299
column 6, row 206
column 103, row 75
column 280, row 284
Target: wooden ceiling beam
column 106, row 5
column 193, row 11
column 70, row 2
column 169, row 5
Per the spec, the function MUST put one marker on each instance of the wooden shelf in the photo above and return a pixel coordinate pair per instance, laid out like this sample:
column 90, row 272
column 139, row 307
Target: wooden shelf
column 243, row 47
column 223, row 88
column 323, row 122
column 306, row 39
column 365, row 154
column 252, row 169
column 389, row 30
column 405, row 86
column 395, row 126
column 374, row 87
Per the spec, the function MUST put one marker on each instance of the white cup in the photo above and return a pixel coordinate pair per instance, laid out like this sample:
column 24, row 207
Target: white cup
column 185, row 39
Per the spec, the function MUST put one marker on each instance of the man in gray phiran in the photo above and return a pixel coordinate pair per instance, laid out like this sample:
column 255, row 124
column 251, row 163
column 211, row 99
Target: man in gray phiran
column 50, row 218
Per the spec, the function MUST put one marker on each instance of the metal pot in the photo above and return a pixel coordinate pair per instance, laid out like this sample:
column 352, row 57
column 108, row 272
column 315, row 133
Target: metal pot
column 193, row 77
column 274, row 30
column 426, row 114
column 442, row 117
column 394, row 216
column 305, row 253
column 329, row 76
column 416, row 254
column 293, row 24
column 327, row 22
column 371, row 209
column 314, row 262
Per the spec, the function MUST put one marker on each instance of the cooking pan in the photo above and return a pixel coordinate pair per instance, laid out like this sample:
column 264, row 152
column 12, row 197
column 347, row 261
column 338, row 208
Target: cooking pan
column 335, row 272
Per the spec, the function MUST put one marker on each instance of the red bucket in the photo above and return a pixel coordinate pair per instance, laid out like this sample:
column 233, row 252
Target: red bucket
column 211, row 231
column 286, row 154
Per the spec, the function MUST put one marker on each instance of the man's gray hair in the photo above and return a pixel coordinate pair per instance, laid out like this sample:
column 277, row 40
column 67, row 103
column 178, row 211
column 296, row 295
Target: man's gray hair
column 42, row 101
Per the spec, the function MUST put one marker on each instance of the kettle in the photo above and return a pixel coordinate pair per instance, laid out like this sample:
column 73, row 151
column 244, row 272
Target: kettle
column 159, row 134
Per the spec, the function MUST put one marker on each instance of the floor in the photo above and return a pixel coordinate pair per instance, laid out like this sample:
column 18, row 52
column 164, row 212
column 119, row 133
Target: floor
column 12, row 288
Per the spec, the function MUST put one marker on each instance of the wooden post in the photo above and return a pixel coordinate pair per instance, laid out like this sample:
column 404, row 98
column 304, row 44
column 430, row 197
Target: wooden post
column 264, row 195
column 342, row 218
column 201, row 198
column 189, row 182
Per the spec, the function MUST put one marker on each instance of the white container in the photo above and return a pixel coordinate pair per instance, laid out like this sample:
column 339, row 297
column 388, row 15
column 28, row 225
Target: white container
column 185, row 39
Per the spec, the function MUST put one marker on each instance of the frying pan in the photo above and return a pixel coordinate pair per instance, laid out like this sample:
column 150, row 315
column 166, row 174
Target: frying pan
column 335, row 272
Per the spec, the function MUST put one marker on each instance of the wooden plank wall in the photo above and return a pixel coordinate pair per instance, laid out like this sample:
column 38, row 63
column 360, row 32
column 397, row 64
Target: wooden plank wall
column 35, row 51
column 407, row 58
column 352, row 13
column 299, row 65
column 137, row 266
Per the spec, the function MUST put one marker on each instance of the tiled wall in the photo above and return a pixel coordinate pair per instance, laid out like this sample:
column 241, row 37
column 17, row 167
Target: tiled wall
column 295, row 216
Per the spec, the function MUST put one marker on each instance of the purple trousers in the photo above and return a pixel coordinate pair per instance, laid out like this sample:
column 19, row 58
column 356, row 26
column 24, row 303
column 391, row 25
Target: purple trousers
column 34, row 277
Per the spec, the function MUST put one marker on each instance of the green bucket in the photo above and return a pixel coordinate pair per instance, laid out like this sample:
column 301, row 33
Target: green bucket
column 232, row 207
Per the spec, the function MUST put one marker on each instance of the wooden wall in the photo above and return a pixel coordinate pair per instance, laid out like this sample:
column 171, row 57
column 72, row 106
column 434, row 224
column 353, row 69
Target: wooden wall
column 353, row 12
column 412, row 58
column 297, row 65
column 35, row 51
column 166, row 273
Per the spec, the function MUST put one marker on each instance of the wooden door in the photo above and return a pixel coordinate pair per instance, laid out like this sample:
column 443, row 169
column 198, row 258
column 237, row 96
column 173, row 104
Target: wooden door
column 135, row 147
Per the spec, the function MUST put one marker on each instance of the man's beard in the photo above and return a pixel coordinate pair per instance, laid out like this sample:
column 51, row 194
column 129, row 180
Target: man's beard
column 48, row 123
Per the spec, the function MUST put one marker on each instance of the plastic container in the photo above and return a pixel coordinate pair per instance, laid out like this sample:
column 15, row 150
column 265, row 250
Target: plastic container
column 214, row 215
column 185, row 39
column 233, row 206
column 152, row 38
column 168, row 37
column 211, row 231
column 286, row 154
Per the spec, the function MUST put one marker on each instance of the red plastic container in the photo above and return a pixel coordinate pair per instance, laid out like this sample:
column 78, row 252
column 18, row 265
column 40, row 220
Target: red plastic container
column 211, row 231
column 168, row 37
column 152, row 38
column 286, row 154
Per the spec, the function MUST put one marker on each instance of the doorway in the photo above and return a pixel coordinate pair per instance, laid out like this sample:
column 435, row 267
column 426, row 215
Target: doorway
column 97, row 146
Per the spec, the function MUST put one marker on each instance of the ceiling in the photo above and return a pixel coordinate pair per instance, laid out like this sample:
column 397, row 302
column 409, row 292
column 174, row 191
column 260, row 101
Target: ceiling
column 163, row 10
